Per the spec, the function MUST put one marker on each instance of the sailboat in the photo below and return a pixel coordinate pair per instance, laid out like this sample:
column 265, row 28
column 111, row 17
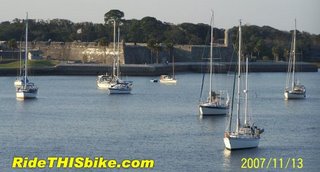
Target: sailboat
column 106, row 81
column 169, row 79
column 246, row 135
column 27, row 89
column 217, row 102
column 297, row 90
column 119, row 86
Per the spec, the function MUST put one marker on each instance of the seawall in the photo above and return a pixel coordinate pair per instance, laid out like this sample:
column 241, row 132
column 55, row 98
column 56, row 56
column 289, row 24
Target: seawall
column 156, row 69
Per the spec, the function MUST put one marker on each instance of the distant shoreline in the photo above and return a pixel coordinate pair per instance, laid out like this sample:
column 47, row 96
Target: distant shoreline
column 156, row 69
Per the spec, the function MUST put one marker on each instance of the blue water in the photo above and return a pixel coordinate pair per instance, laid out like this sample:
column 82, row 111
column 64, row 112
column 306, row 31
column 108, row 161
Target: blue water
column 71, row 117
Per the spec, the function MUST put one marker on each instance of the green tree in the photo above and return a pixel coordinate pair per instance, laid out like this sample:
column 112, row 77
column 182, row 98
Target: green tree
column 276, row 52
column 304, row 43
column 113, row 18
column 133, row 30
column 286, row 54
column 155, row 48
column 198, row 33
column 12, row 44
column 175, row 35
column 169, row 47
column 258, row 48
column 153, row 29
column 116, row 15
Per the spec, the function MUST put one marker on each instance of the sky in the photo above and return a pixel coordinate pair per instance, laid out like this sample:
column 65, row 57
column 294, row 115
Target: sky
column 279, row 14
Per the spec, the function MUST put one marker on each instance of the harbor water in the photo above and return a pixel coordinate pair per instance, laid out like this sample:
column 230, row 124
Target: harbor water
column 71, row 117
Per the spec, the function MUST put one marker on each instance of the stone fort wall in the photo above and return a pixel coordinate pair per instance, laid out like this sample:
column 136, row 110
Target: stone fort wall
column 129, row 53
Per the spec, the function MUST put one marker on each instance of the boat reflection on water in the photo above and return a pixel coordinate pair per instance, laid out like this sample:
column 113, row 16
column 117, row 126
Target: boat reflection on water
column 226, row 158
column 235, row 159
column 227, row 153
column 213, row 122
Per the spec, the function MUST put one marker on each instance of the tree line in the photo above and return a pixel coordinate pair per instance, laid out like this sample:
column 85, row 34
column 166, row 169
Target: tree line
column 275, row 44
column 258, row 41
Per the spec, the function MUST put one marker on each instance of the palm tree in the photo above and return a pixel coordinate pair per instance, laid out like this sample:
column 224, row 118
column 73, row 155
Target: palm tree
column 275, row 53
column 151, row 44
column 169, row 47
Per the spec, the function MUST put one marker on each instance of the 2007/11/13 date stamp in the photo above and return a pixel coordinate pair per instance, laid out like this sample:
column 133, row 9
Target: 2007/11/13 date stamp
column 274, row 163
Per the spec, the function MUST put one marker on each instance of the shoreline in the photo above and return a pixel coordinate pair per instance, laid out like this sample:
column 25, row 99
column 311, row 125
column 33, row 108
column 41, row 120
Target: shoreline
column 157, row 69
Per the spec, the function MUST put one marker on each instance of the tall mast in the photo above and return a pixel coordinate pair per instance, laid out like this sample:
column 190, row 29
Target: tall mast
column 294, row 52
column 211, row 54
column 114, row 48
column 239, row 75
column 118, row 53
column 26, row 55
column 173, row 67
column 20, row 69
column 246, row 95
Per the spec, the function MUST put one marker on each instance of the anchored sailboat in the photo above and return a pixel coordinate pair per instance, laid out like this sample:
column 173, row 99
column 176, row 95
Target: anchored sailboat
column 27, row 89
column 246, row 135
column 106, row 81
column 119, row 86
column 169, row 79
column 217, row 102
column 293, row 90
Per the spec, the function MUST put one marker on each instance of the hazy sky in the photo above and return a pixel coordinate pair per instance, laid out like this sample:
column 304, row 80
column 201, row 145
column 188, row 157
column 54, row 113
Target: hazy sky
column 279, row 14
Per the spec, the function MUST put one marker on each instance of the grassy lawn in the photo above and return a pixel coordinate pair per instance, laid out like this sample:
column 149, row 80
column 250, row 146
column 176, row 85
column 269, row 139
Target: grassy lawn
column 31, row 63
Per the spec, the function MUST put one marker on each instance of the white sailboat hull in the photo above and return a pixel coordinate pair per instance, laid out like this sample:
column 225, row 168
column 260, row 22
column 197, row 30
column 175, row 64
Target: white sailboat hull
column 124, row 88
column 233, row 143
column 168, row 81
column 212, row 110
column 104, row 85
column 294, row 95
column 26, row 95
